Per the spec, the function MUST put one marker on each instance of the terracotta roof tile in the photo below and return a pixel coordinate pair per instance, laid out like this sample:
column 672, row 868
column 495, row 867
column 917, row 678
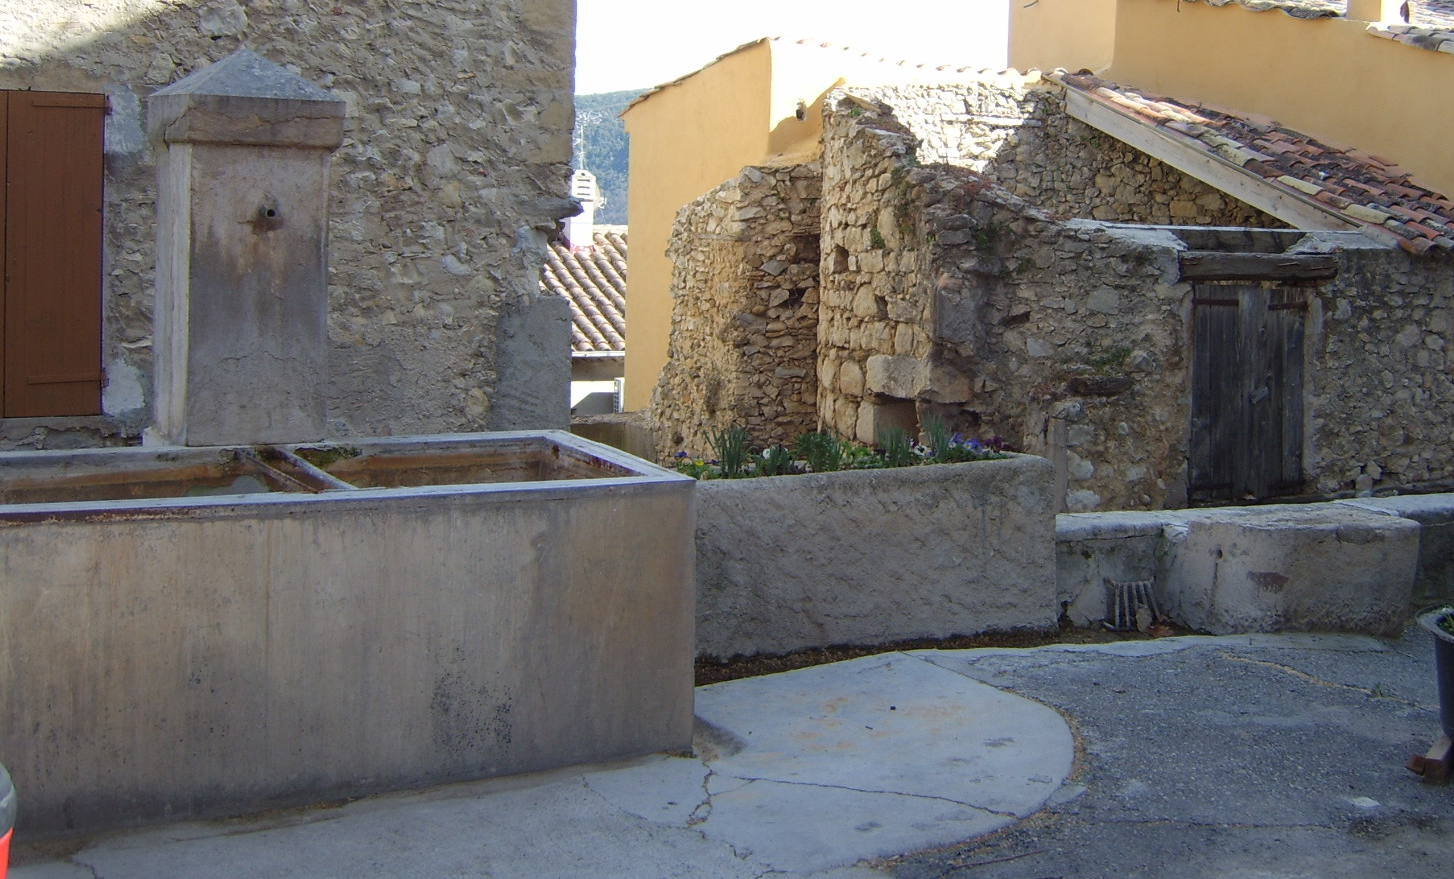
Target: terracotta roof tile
column 1364, row 189
column 1429, row 23
column 1295, row 8
column 593, row 280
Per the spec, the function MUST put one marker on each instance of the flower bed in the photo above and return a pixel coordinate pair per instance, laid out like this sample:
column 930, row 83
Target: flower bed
column 825, row 453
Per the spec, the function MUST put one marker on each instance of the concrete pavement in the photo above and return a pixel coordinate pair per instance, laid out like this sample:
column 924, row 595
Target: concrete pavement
column 800, row 774
column 1243, row 756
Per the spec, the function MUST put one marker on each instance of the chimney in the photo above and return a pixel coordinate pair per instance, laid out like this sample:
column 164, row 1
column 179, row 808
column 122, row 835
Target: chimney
column 583, row 188
column 1378, row 11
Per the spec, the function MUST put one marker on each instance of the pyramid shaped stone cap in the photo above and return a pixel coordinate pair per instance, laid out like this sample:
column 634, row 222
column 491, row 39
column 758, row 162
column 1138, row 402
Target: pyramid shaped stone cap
column 246, row 99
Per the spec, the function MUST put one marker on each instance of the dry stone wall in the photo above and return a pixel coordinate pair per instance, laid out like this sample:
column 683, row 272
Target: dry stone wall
column 965, row 290
column 1014, row 130
column 880, row 329
column 1072, row 338
column 1382, row 400
column 986, row 310
column 453, row 172
column 744, row 315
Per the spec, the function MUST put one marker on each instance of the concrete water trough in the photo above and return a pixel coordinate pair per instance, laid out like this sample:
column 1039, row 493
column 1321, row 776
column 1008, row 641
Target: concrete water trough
column 391, row 613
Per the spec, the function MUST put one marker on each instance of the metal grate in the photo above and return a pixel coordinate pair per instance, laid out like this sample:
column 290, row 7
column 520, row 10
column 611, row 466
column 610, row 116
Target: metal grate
column 1125, row 598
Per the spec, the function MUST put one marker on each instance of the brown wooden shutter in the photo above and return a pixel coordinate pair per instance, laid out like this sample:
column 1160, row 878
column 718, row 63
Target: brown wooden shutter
column 51, row 294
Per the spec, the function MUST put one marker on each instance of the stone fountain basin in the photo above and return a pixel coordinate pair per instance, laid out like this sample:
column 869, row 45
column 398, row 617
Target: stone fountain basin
column 166, row 655
column 128, row 474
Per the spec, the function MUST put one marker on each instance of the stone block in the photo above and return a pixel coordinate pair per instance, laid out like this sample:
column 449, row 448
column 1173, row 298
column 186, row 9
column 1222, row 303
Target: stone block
column 1434, row 579
column 947, row 385
column 1318, row 567
column 534, row 380
column 894, row 376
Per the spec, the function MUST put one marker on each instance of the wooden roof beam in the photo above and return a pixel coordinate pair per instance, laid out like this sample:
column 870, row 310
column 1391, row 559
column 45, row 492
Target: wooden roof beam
column 1212, row 170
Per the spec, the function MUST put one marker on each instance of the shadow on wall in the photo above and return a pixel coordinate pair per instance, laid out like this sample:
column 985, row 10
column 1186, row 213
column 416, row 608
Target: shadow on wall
column 421, row 277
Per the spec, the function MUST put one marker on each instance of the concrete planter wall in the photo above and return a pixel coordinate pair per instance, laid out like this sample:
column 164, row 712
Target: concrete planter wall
column 194, row 657
column 867, row 557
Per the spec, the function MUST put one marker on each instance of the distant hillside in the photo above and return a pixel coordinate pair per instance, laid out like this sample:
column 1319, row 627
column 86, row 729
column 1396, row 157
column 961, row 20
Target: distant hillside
column 601, row 148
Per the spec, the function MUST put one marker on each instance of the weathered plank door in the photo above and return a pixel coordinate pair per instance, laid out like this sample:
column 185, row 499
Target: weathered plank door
column 50, row 230
column 1247, row 390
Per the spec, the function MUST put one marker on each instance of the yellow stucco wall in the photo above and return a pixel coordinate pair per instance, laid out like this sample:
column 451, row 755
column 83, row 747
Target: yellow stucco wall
column 1326, row 77
column 692, row 135
column 685, row 139
column 1073, row 34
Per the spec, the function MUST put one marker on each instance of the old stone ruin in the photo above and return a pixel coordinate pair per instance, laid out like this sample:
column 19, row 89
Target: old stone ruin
column 976, row 253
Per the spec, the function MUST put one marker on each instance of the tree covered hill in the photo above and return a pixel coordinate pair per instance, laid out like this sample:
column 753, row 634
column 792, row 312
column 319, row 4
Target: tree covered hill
column 601, row 148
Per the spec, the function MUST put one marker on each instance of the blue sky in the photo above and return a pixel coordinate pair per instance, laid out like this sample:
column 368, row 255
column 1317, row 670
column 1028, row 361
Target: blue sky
column 635, row 44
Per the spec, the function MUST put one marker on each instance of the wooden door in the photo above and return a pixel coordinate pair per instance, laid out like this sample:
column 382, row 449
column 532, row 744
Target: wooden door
column 50, row 297
column 1247, row 390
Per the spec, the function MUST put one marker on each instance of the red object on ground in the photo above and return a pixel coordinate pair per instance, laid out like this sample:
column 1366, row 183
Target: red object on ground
column 4, row 852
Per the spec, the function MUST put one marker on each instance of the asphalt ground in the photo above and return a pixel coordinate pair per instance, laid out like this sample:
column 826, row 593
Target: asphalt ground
column 1261, row 757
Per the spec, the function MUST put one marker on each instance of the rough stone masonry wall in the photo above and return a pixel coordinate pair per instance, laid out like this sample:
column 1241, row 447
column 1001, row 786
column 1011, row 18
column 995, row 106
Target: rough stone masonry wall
column 453, row 169
column 1014, row 130
column 1011, row 318
column 885, row 313
column 1381, row 397
column 875, row 277
column 744, row 312
column 1071, row 338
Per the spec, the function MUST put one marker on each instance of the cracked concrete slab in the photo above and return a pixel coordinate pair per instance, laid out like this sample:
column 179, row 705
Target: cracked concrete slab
column 811, row 774
column 951, row 738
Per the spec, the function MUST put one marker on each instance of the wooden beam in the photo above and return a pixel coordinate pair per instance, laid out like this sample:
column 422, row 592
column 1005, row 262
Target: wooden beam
column 1433, row 767
column 1210, row 169
column 1205, row 265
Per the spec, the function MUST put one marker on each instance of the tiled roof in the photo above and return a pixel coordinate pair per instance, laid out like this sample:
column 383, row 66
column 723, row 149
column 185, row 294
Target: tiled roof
column 1426, row 19
column 592, row 278
column 1438, row 14
column 1438, row 37
column 1295, row 8
column 1363, row 189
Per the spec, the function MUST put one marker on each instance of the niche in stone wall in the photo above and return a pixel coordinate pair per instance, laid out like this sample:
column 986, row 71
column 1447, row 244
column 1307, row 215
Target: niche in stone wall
column 879, row 414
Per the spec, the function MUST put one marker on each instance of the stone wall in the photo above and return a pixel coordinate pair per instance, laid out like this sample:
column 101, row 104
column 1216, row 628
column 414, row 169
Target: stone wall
column 981, row 309
column 1382, row 401
column 944, row 293
column 1010, row 129
column 744, row 315
column 1071, row 338
column 1014, row 130
column 452, row 173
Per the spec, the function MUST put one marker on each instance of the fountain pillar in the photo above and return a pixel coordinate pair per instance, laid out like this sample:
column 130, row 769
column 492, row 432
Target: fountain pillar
column 242, row 254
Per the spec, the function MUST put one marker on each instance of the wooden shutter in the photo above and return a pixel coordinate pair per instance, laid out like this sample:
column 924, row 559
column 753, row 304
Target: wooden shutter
column 51, row 294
